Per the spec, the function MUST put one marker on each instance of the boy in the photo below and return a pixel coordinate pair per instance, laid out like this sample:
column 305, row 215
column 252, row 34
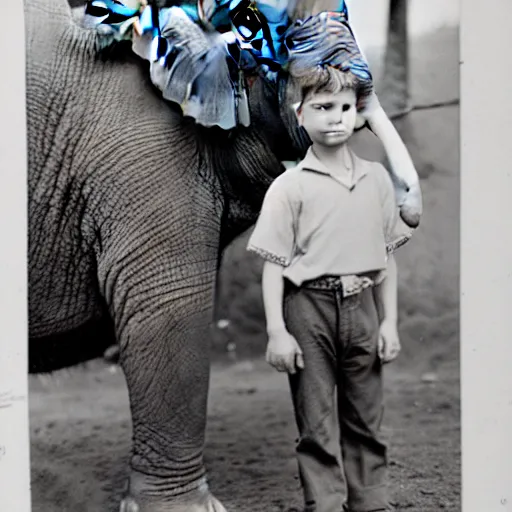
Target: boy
column 327, row 230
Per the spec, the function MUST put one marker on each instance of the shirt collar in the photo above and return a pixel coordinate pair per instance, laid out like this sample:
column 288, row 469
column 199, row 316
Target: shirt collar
column 312, row 163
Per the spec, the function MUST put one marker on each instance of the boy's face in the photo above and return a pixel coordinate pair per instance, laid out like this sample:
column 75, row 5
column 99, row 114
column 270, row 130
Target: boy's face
column 329, row 118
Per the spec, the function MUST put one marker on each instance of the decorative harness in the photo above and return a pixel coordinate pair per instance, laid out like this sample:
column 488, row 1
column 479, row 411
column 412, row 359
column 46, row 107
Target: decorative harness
column 202, row 53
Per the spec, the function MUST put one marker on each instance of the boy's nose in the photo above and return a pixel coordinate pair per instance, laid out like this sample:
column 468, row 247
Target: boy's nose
column 337, row 116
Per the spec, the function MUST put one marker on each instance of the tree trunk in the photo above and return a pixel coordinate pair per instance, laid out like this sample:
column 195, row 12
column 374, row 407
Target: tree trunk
column 394, row 90
column 394, row 87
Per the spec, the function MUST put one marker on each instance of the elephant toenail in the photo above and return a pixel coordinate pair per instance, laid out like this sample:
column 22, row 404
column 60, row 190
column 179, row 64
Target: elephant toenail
column 128, row 505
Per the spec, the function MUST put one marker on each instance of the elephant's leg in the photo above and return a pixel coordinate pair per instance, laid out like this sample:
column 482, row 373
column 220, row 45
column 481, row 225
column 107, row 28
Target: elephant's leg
column 159, row 287
column 166, row 363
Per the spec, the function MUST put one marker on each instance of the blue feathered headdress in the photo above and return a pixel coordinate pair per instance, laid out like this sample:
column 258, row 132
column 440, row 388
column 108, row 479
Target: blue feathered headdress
column 200, row 52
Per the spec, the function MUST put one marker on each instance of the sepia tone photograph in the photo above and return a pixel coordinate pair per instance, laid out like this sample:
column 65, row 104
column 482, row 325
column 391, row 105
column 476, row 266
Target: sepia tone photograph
column 243, row 255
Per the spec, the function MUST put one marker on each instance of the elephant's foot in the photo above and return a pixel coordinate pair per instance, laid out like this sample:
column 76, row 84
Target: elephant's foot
column 208, row 504
column 154, row 498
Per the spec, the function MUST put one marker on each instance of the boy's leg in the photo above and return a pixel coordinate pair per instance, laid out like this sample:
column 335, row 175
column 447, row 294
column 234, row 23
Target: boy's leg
column 360, row 403
column 311, row 318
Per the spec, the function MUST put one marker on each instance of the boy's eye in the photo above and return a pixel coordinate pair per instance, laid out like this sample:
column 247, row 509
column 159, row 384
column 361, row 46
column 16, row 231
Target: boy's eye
column 322, row 106
column 346, row 107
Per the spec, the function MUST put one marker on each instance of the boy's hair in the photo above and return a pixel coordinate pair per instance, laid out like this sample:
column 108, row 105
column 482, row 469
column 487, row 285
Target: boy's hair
column 324, row 79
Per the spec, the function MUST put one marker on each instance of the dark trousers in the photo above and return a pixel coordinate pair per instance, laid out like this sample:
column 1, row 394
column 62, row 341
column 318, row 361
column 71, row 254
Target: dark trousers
column 342, row 461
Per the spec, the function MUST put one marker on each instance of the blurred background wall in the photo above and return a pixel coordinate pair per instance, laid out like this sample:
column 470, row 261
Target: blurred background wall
column 369, row 19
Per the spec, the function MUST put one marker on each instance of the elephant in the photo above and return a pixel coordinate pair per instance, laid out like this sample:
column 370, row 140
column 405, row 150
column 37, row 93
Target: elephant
column 130, row 205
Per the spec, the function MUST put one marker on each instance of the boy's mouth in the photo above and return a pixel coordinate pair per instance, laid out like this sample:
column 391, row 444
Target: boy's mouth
column 335, row 132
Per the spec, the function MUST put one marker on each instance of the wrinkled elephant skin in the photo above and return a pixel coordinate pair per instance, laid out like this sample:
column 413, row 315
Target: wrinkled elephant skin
column 129, row 208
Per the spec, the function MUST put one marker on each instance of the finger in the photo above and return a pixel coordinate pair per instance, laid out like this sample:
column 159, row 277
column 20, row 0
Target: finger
column 387, row 358
column 388, row 352
column 381, row 348
column 392, row 353
column 300, row 360
column 280, row 363
column 276, row 364
column 390, row 357
column 273, row 360
column 290, row 363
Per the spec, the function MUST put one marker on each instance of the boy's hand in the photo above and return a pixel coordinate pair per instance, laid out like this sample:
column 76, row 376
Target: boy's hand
column 389, row 343
column 283, row 352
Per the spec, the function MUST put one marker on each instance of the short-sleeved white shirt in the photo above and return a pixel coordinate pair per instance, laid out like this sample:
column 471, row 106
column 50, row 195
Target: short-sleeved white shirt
column 313, row 223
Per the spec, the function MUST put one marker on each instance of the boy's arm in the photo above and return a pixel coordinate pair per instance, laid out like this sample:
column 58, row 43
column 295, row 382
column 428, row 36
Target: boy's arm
column 273, row 240
column 386, row 292
column 386, row 298
column 283, row 351
column 272, row 288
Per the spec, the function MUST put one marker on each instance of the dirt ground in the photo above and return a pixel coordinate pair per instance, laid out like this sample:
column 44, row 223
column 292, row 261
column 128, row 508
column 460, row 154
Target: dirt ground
column 81, row 433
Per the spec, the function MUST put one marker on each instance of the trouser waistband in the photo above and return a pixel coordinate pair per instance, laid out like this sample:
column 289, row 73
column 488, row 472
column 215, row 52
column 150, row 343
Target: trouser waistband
column 348, row 284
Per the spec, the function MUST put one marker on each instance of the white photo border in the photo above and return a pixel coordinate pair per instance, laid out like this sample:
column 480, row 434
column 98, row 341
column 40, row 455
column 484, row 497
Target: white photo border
column 14, row 427
column 486, row 255
column 486, row 259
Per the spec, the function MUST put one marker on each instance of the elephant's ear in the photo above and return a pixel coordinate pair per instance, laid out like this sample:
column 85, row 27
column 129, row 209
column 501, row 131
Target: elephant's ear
column 194, row 71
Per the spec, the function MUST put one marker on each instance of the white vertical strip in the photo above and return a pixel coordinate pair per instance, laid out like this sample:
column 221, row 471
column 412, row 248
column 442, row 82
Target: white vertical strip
column 486, row 253
column 14, row 432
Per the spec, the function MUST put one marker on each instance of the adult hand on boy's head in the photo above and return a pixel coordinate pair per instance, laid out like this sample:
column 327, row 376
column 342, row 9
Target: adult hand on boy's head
column 389, row 342
column 283, row 352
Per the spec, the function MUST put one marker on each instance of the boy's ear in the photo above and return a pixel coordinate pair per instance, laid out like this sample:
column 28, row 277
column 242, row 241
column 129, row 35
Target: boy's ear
column 297, row 109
